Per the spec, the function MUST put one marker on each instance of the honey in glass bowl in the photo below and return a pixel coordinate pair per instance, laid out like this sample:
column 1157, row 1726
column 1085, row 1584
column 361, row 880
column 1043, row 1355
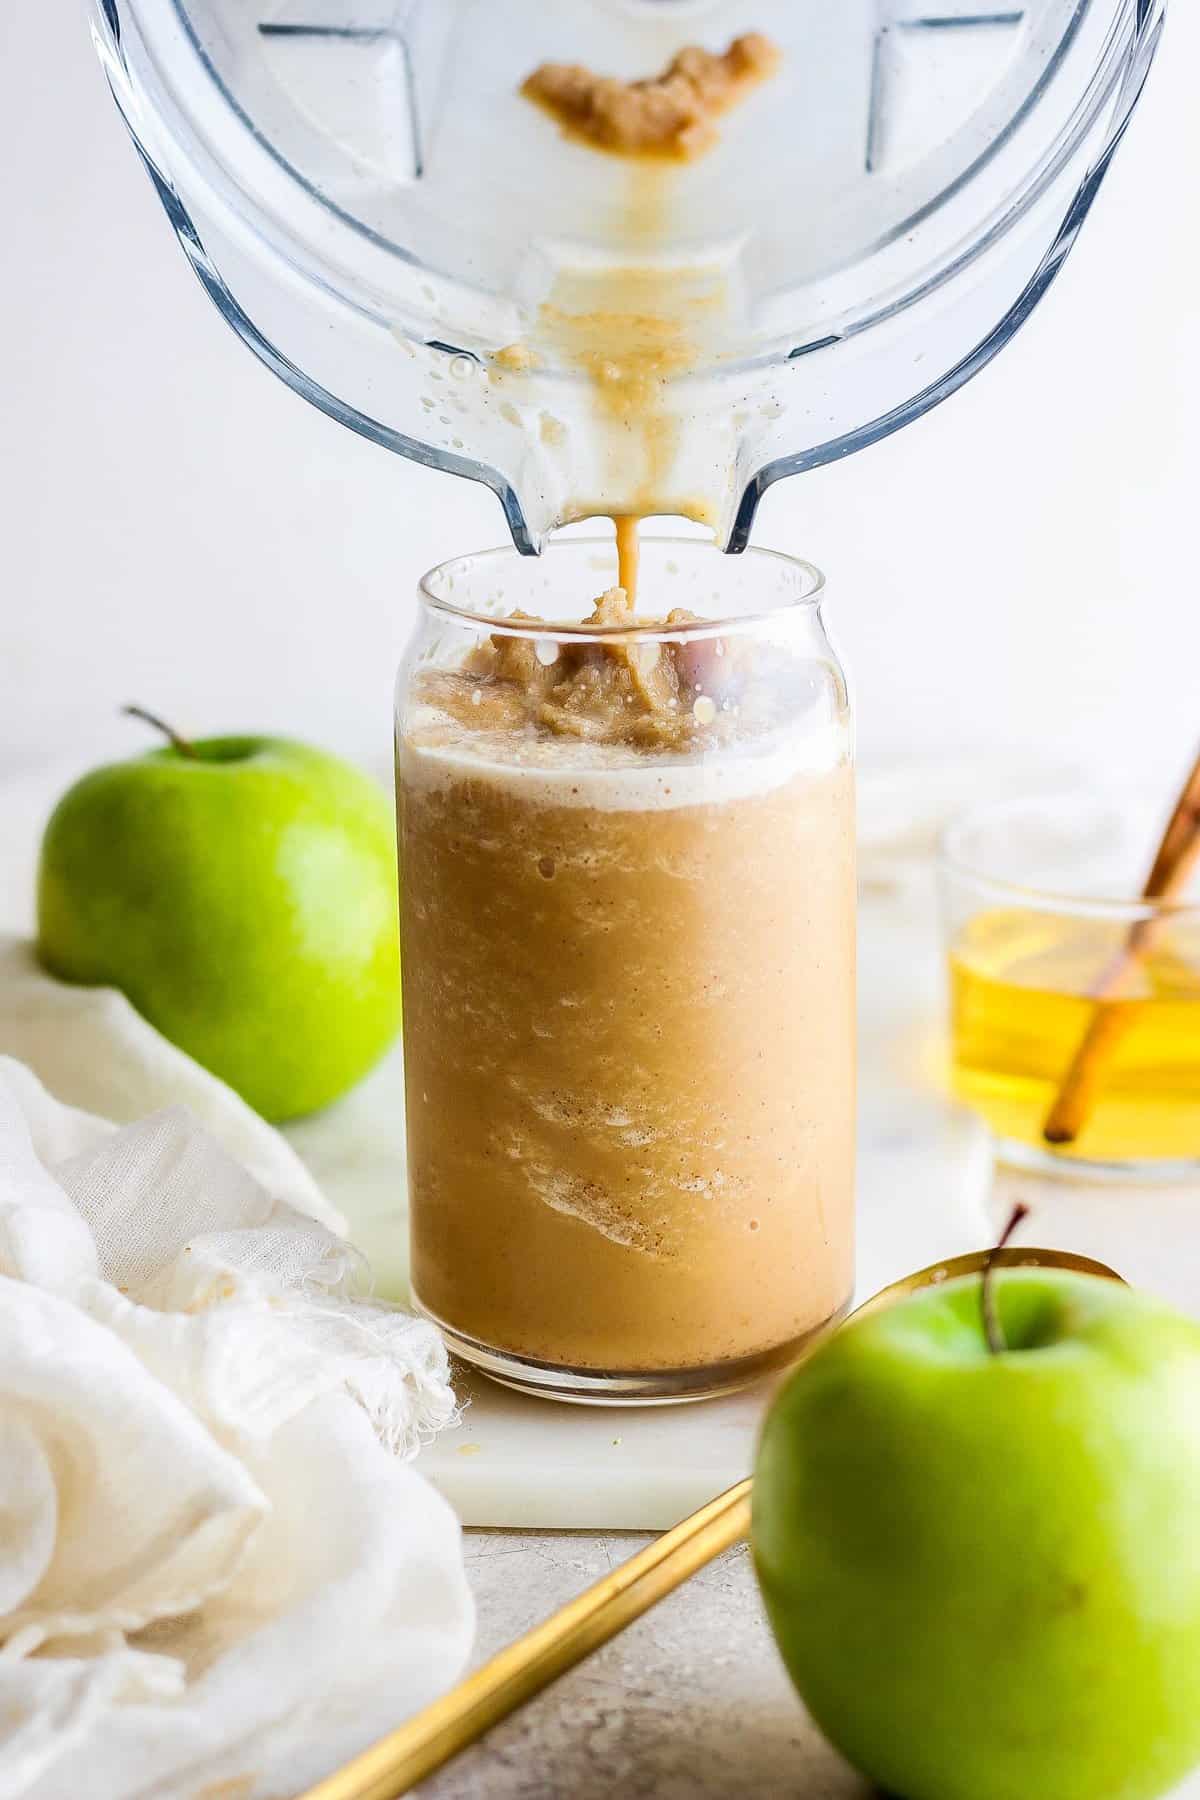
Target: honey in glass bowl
column 1032, row 936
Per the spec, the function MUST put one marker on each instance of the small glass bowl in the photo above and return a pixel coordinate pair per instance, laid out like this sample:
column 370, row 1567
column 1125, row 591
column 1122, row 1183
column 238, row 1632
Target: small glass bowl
column 1074, row 1010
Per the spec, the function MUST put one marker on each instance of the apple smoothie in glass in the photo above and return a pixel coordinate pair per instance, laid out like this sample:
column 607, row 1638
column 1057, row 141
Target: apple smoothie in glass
column 627, row 944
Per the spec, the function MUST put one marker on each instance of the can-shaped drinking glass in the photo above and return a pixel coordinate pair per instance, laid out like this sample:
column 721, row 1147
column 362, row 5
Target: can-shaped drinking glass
column 627, row 946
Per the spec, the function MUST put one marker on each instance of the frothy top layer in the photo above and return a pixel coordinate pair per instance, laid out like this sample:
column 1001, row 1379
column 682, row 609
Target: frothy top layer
column 435, row 752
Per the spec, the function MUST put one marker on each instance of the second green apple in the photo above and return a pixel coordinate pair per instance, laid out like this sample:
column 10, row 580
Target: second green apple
column 983, row 1569
column 241, row 891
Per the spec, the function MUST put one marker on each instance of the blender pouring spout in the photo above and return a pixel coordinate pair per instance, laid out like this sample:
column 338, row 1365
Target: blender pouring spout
column 410, row 244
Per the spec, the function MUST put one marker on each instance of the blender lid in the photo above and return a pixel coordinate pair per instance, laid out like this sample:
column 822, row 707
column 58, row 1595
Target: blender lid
column 373, row 205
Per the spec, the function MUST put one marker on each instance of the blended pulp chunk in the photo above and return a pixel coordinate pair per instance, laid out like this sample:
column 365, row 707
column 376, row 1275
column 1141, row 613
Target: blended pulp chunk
column 628, row 1012
column 672, row 114
column 635, row 690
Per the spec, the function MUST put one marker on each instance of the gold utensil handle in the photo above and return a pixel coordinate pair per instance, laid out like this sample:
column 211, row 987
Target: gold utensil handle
column 406, row 1756
column 431, row 1737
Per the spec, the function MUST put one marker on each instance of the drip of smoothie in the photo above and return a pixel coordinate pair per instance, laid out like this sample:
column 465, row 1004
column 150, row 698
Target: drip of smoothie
column 628, row 554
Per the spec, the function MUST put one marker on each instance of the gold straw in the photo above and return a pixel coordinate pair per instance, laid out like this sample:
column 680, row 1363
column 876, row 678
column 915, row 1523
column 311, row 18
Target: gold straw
column 410, row 1754
column 406, row 1756
column 1113, row 1016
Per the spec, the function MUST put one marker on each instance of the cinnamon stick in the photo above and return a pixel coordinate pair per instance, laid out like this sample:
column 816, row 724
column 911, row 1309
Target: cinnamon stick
column 1177, row 856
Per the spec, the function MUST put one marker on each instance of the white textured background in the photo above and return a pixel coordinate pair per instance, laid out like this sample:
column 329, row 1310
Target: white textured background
column 1019, row 568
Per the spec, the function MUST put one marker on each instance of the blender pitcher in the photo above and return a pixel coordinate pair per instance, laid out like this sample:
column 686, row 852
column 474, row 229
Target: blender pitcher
column 416, row 248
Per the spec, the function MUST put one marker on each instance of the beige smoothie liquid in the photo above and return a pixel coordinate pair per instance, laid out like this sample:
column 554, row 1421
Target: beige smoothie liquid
column 628, row 919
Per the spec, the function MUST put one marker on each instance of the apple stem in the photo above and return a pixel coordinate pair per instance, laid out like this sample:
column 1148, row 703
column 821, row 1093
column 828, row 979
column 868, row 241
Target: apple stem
column 987, row 1297
column 182, row 744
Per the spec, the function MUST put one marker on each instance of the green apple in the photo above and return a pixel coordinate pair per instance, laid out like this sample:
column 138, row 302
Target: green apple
column 982, row 1568
column 241, row 891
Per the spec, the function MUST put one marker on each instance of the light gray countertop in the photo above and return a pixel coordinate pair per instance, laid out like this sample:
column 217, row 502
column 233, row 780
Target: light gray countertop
column 691, row 1701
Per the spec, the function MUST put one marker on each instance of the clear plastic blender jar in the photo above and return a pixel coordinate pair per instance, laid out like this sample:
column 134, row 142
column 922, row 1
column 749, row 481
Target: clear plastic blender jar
column 381, row 216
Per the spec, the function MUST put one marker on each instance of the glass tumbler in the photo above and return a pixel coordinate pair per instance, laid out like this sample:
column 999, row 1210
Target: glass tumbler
column 627, row 949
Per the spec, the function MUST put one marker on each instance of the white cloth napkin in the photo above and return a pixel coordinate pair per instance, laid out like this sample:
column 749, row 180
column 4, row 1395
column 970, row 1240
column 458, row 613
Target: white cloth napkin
column 215, row 1567
column 94, row 1051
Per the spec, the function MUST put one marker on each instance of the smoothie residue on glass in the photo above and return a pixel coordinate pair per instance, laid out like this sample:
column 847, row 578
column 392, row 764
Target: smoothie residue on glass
column 637, row 692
